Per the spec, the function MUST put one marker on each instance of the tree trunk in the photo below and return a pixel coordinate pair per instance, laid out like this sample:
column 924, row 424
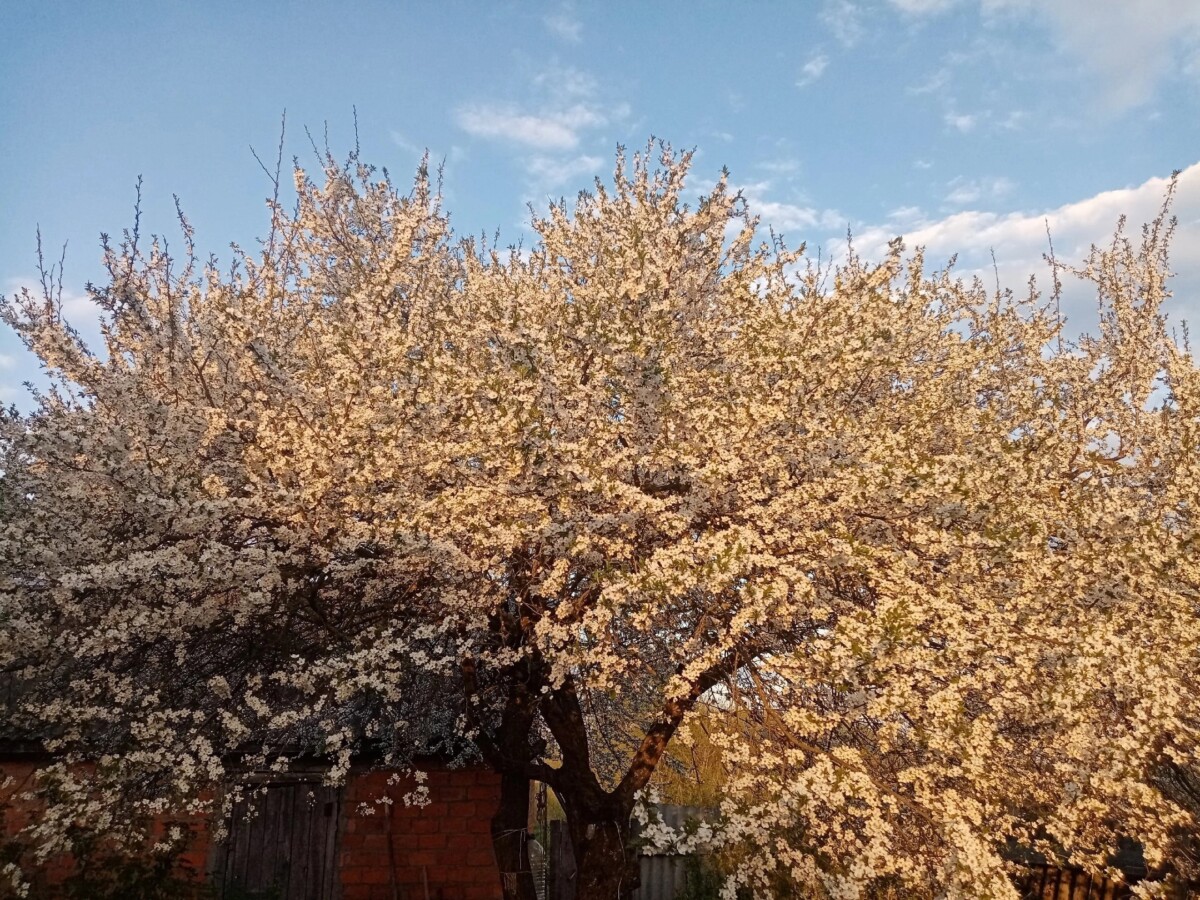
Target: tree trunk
column 606, row 867
column 510, row 838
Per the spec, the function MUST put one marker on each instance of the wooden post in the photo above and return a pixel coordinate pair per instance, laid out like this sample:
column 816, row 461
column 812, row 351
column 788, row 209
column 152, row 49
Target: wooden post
column 562, row 863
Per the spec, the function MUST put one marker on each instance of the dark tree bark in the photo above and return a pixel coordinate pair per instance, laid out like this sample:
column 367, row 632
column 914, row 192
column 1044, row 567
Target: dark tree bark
column 510, row 838
column 606, row 866
column 510, row 752
column 598, row 820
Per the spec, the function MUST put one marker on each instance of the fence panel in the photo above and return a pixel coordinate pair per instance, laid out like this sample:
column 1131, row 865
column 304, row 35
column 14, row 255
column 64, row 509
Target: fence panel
column 283, row 843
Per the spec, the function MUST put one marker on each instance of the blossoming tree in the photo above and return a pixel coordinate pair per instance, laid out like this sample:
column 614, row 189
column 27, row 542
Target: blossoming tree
column 932, row 563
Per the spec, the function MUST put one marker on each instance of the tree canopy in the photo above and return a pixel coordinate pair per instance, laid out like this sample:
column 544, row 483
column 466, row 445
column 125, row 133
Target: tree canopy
column 928, row 561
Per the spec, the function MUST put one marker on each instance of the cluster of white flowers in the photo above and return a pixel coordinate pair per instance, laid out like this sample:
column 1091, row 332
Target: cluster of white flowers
column 932, row 566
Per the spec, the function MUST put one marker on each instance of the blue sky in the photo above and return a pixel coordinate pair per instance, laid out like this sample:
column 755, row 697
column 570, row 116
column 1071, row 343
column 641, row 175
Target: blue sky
column 962, row 124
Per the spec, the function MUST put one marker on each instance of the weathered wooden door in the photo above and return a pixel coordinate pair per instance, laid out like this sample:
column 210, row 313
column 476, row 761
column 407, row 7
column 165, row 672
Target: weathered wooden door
column 282, row 844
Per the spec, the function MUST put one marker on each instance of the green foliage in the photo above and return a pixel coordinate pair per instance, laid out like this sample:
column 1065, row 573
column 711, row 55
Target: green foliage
column 701, row 880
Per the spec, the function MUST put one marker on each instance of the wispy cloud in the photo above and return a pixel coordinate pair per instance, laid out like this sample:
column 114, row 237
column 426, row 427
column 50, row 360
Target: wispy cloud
column 565, row 110
column 971, row 190
column 544, row 130
column 961, row 122
column 563, row 84
column 784, row 166
column 7, row 361
column 550, row 172
column 812, row 70
column 786, row 216
column 933, row 84
column 77, row 307
column 404, row 143
column 564, row 25
column 922, row 7
column 1128, row 47
column 1018, row 239
column 844, row 19
column 565, row 105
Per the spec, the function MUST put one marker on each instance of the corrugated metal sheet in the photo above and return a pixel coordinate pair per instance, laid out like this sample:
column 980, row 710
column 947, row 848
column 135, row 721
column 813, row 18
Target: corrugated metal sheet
column 662, row 877
column 665, row 875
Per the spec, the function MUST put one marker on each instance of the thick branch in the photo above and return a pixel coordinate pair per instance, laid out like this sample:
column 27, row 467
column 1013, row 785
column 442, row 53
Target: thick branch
column 563, row 714
column 654, row 744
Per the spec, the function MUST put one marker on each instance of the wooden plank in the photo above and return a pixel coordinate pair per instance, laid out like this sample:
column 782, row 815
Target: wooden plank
column 333, row 819
column 278, row 838
column 255, row 878
column 296, row 861
column 312, row 863
column 236, row 870
column 287, row 843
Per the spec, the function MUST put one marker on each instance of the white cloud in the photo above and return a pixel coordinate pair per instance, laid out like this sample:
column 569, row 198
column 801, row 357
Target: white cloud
column 962, row 122
column 404, row 143
column 549, row 130
column 969, row 190
column 844, row 21
column 565, row 106
column 565, row 84
column 1129, row 47
column 1019, row 239
column 564, row 26
column 549, row 172
column 77, row 308
column 784, row 166
column 7, row 360
column 812, row 70
column 785, row 217
column 904, row 214
column 934, row 84
column 1126, row 49
column 922, row 7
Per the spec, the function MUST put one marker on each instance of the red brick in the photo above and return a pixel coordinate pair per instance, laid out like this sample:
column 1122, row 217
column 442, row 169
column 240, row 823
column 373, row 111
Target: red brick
column 460, row 841
column 420, row 858
column 370, row 824
column 482, row 857
column 375, row 875
column 432, row 841
column 458, row 874
column 479, row 825
column 374, row 841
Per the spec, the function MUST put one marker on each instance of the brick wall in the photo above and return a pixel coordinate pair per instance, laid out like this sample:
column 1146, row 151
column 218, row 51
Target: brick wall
column 399, row 851
column 17, row 776
column 393, row 851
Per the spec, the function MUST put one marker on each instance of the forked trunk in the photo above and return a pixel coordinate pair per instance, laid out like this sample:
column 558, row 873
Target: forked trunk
column 606, row 867
column 510, row 838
